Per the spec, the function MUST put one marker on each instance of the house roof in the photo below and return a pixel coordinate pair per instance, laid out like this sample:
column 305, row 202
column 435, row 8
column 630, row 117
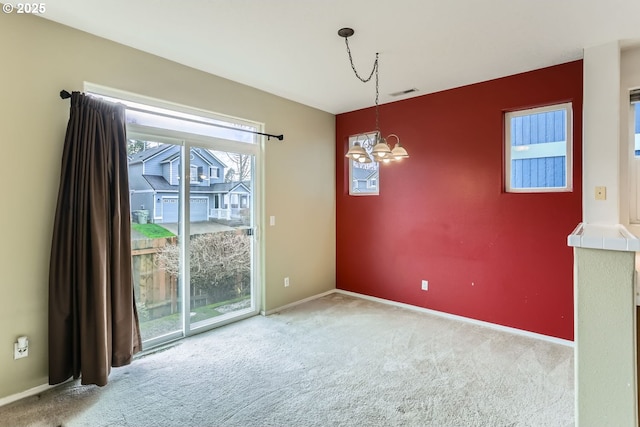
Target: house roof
column 158, row 183
column 142, row 156
column 363, row 174
column 229, row 187
column 171, row 152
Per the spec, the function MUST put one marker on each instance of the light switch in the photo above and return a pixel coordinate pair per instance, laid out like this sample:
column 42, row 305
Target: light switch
column 272, row 220
column 601, row 193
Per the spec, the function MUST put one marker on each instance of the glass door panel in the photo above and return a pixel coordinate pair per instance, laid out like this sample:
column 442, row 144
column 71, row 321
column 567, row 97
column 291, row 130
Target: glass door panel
column 221, row 235
column 186, row 285
column 154, row 187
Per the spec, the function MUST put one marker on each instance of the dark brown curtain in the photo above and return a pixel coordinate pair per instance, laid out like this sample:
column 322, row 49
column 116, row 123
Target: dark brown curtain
column 93, row 323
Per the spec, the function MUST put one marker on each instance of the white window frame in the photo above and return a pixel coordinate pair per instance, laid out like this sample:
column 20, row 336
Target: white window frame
column 634, row 170
column 540, row 150
column 369, row 190
column 214, row 172
column 193, row 174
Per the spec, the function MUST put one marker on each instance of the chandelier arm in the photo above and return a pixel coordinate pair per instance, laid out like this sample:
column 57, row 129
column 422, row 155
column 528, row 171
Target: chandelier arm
column 393, row 135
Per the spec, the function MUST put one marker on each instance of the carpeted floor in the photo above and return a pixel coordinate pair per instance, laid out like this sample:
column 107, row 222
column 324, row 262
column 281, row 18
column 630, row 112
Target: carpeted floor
column 334, row 361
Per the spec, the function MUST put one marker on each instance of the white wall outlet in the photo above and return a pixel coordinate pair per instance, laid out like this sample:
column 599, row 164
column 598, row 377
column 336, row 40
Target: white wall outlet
column 272, row 220
column 21, row 348
column 425, row 285
column 286, row 282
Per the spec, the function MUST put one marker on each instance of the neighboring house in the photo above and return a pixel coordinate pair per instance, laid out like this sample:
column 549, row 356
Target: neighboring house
column 538, row 149
column 154, row 186
column 364, row 180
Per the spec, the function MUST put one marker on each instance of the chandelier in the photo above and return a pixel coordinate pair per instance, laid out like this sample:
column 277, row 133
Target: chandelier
column 376, row 149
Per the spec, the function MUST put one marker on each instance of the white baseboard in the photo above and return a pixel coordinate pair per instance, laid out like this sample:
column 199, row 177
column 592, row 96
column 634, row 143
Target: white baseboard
column 462, row 319
column 494, row 326
column 293, row 304
column 27, row 393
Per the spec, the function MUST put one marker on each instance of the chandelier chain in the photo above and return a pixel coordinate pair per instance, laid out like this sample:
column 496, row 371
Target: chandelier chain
column 375, row 147
column 365, row 80
column 377, row 96
column 353, row 67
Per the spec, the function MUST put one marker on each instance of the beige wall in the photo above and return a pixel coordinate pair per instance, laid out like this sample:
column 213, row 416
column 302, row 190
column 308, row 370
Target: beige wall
column 604, row 338
column 600, row 154
column 629, row 79
column 39, row 58
column 605, row 326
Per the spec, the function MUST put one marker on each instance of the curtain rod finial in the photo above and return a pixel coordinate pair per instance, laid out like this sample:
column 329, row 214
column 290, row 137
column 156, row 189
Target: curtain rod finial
column 64, row 94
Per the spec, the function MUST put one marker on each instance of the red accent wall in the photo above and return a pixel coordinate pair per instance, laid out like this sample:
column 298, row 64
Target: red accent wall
column 442, row 215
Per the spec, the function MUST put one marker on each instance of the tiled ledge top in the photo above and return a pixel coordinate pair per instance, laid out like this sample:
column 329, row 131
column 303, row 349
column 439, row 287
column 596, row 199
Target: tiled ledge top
column 613, row 237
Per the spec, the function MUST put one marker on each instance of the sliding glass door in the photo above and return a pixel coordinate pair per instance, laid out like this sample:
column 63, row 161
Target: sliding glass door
column 221, row 234
column 155, row 236
column 193, row 182
column 193, row 221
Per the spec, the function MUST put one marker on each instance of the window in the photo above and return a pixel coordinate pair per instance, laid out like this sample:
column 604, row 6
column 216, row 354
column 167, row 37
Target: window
column 214, row 172
column 193, row 175
column 634, row 214
column 538, row 149
column 363, row 177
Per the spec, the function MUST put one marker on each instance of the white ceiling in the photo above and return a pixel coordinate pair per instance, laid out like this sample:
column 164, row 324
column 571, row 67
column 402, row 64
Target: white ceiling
column 291, row 48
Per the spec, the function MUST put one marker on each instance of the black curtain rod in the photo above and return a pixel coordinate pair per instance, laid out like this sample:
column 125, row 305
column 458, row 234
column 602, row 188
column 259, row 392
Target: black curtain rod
column 64, row 94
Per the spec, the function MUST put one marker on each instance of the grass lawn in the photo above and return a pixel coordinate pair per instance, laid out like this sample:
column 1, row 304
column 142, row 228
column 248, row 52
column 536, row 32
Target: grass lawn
column 152, row 231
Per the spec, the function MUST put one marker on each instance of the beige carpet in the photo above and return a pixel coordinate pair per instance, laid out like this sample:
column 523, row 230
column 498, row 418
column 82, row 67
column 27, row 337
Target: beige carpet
column 334, row 361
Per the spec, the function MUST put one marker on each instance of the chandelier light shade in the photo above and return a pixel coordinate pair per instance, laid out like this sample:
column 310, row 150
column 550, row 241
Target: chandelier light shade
column 356, row 151
column 377, row 150
column 398, row 152
column 381, row 150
